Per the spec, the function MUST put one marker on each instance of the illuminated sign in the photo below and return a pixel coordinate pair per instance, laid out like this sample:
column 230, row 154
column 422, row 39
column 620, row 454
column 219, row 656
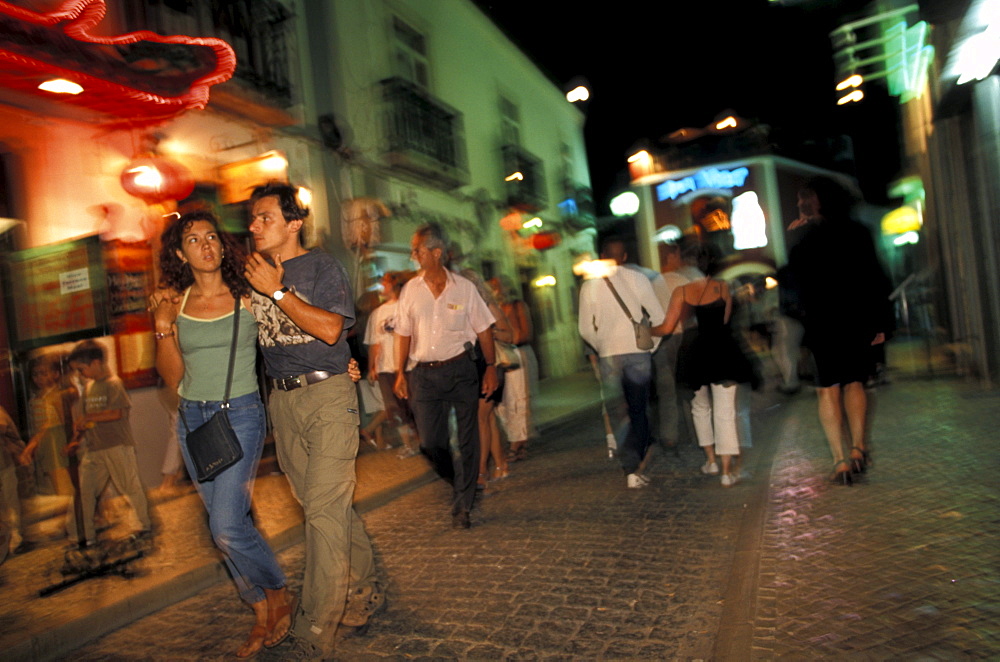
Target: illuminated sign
column 748, row 222
column 707, row 178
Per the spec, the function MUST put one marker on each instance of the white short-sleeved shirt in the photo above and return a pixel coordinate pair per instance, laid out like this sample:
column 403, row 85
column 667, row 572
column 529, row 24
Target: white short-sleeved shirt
column 439, row 328
column 379, row 331
column 604, row 325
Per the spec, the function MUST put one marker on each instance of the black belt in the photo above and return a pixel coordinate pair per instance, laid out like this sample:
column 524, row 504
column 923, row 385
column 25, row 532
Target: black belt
column 292, row 383
column 438, row 364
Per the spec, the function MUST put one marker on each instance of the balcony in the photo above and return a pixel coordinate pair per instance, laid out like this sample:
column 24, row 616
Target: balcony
column 256, row 29
column 526, row 191
column 423, row 136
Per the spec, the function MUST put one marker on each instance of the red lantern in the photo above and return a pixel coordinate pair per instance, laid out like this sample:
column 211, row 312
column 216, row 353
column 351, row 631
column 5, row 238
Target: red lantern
column 156, row 179
column 543, row 241
column 511, row 222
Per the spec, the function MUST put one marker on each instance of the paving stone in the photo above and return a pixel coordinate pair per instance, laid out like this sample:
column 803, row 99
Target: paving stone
column 564, row 563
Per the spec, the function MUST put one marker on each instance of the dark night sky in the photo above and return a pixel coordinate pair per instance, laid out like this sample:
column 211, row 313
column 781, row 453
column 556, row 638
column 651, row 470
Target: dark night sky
column 654, row 69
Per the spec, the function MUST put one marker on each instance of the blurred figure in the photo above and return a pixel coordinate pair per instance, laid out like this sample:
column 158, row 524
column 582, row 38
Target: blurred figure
column 515, row 410
column 490, row 444
column 172, row 468
column 11, row 448
column 668, row 408
column 626, row 370
column 47, row 445
column 105, row 436
column 382, row 360
column 844, row 298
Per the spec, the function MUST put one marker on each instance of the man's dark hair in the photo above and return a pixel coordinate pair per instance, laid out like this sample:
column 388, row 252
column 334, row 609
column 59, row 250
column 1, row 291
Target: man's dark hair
column 613, row 240
column 87, row 351
column 434, row 236
column 288, row 199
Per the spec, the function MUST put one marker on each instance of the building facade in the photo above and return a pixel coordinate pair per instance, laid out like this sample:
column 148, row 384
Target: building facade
column 424, row 108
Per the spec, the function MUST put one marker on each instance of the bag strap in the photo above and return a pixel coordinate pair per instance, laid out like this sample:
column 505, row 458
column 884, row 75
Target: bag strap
column 232, row 362
column 619, row 300
column 232, row 351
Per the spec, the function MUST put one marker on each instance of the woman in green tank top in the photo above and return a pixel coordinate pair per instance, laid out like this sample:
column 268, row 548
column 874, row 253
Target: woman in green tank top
column 193, row 337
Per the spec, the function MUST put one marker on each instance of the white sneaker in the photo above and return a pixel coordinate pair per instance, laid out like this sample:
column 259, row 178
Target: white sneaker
column 728, row 480
column 635, row 481
column 710, row 468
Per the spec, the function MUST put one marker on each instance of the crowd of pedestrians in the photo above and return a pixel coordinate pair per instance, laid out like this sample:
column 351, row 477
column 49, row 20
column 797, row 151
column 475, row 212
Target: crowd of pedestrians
column 452, row 359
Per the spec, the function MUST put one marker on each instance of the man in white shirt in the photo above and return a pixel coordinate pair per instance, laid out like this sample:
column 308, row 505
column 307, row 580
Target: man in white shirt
column 439, row 318
column 606, row 327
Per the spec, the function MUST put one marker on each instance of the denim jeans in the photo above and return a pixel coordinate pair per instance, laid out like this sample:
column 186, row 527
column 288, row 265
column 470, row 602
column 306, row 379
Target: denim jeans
column 630, row 374
column 227, row 498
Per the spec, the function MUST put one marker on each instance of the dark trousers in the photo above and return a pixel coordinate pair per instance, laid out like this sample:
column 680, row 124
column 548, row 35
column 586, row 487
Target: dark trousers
column 433, row 393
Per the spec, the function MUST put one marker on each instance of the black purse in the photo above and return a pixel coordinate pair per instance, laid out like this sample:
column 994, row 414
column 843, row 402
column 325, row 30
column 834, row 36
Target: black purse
column 213, row 446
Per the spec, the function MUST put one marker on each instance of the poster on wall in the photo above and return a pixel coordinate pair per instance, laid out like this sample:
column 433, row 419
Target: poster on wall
column 129, row 267
column 56, row 293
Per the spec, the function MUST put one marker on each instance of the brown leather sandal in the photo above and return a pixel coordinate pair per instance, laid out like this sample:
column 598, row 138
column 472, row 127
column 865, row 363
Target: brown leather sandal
column 256, row 641
column 274, row 619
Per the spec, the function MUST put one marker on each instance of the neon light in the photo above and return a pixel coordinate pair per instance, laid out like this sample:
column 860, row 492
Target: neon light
column 625, row 204
column 545, row 281
column 514, row 176
column 707, row 178
column 726, row 123
column 850, row 81
column 748, row 222
column 578, row 93
column 856, row 95
column 668, row 234
column 639, row 156
column 147, row 177
column 60, row 86
column 533, row 223
column 568, row 207
column 908, row 238
column 304, row 197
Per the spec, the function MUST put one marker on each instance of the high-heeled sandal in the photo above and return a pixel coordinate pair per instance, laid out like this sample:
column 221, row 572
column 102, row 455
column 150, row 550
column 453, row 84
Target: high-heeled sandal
column 481, row 482
column 842, row 474
column 518, row 451
column 860, row 464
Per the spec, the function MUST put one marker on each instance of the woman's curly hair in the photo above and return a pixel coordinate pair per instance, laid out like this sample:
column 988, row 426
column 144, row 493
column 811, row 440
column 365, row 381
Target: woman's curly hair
column 176, row 273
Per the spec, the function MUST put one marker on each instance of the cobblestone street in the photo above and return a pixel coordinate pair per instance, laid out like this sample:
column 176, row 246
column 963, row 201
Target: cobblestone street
column 563, row 562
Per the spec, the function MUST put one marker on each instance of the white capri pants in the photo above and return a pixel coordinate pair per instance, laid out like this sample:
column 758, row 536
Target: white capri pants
column 714, row 412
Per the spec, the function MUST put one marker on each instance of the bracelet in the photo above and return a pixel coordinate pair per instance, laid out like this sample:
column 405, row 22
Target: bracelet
column 161, row 336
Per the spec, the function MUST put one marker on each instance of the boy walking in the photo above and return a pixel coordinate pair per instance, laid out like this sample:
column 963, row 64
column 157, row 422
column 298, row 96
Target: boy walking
column 107, row 439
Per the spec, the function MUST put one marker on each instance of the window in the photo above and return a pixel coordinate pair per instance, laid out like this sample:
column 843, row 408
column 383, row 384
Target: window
column 409, row 53
column 423, row 135
column 510, row 122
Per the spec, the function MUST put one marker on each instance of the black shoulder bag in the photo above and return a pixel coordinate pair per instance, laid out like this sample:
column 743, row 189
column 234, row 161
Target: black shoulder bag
column 213, row 446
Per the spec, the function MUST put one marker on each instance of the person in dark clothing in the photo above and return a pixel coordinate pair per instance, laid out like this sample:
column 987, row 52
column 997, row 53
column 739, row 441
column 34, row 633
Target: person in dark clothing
column 843, row 293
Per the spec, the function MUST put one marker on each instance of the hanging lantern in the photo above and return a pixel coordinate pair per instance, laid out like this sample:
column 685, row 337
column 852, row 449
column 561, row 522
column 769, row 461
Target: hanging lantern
column 156, row 179
column 511, row 222
column 543, row 241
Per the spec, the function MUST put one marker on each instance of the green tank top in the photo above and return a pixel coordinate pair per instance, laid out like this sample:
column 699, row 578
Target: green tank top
column 205, row 347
